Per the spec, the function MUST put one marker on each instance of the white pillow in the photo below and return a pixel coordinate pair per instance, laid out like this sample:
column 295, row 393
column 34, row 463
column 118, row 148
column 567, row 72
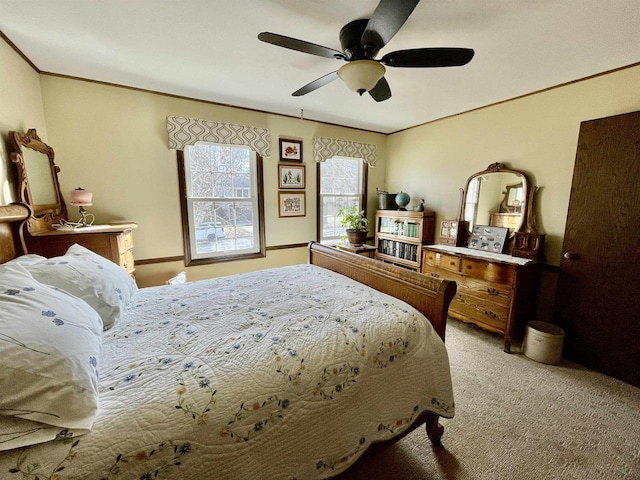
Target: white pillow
column 179, row 278
column 26, row 260
column 50, row 346
column 101, row 283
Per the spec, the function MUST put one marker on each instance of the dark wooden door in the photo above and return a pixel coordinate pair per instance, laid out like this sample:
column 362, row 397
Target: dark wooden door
column 598, row 294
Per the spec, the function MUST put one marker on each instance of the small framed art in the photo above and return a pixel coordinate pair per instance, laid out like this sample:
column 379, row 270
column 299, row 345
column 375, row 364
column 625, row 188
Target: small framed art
column 490, row 239
column 292, row 204
column 291, row 176
column 290, row 150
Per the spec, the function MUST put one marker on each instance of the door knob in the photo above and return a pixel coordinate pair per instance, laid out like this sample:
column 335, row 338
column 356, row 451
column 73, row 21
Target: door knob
column 571, row 256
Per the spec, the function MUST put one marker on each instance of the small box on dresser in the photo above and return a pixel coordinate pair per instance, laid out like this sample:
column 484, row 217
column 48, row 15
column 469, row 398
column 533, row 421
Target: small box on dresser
column 528, row 245
column 454, row 232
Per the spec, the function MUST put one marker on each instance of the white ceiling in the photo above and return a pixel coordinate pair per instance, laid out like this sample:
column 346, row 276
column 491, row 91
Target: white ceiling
column 208, row 49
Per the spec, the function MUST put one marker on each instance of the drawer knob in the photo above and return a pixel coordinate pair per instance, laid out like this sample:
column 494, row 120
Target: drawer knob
column 489, row 314
column 126, row 264
column 435, row 275
column 493, row 291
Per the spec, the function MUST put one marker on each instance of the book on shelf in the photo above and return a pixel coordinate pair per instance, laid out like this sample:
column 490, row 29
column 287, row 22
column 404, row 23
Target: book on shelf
column 405, row 251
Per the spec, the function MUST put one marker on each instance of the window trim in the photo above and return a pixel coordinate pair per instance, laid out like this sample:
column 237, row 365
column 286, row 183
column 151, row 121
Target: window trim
column 363, row 196
column 184, row 213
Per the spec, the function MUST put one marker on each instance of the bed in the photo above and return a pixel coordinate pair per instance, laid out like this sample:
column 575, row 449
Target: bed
column 282, row 373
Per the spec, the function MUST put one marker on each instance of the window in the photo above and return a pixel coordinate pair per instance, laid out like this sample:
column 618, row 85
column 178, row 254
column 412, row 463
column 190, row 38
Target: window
column 222, row 202
column 342, row 184
column 471, row 200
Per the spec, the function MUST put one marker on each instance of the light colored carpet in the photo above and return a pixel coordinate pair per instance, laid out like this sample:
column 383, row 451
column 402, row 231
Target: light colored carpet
column 518, row 419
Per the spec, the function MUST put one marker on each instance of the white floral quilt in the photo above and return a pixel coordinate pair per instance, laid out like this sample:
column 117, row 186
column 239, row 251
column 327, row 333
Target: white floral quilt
column 282, row 373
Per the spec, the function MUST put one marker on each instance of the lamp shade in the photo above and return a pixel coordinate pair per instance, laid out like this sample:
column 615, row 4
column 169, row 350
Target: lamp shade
column 361, row 75
column 80, row 197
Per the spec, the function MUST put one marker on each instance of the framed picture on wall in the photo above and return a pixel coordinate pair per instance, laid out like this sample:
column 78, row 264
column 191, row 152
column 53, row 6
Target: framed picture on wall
column 292, row 204
column 290, row 150
column 291, row 176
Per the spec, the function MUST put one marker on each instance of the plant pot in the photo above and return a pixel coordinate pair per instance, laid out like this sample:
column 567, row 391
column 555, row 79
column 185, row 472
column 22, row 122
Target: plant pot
column 356, row 237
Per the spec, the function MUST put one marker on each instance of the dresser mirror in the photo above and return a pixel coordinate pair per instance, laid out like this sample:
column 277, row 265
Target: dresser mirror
column 498, row 197
column 38, row 177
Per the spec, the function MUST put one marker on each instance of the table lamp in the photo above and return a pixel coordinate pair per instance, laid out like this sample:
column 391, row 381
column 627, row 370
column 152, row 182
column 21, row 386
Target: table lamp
column 81, row 198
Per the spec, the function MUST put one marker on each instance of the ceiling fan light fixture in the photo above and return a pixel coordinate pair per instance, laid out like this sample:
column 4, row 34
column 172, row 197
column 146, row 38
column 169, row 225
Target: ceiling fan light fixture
column 361, row 75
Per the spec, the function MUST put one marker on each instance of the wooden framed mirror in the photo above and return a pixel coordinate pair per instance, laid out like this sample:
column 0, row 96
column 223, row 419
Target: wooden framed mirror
column 38, row 180
column 497, row 196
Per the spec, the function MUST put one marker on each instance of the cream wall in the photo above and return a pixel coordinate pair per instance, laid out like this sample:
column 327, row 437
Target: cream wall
column 20, row 109
column 537, row 134
column 113, row 141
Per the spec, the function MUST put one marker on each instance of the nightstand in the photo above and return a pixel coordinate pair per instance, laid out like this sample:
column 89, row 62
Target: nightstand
column 368, row 250
column 114, row 242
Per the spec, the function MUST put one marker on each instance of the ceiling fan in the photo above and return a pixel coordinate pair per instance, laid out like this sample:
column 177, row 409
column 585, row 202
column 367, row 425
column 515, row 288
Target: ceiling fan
column 361, row 40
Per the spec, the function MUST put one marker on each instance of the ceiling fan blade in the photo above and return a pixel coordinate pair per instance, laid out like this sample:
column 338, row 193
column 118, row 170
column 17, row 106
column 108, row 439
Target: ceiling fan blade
column 381, row 91
column 387, row 19
column 428, row 57
column 299, row 45
column 317, row 83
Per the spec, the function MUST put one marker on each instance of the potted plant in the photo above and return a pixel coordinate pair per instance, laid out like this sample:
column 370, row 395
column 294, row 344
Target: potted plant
column 355, row 223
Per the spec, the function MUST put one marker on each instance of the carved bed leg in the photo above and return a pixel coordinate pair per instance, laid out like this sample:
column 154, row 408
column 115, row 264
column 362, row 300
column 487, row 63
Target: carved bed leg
column 434, row 429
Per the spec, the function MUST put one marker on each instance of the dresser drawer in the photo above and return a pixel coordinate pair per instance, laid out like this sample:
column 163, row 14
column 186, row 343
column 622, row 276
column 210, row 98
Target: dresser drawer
column 483, row 313
column 490, row 271
column 126, row 261
column 448, row 262
column 498, row 293
column 435, row 272
column 125, row 241
column 429, row 257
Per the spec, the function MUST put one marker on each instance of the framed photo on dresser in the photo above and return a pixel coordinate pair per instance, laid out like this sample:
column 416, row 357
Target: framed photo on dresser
column 488, row 238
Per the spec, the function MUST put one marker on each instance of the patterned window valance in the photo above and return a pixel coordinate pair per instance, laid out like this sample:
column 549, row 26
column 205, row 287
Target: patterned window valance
column 187, row 131
column 325, row 148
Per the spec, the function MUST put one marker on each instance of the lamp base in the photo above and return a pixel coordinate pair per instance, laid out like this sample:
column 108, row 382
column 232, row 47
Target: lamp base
column 83, row 218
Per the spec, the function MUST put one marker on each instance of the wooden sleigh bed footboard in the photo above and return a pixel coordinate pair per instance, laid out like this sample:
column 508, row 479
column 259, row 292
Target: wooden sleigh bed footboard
column 430, row 296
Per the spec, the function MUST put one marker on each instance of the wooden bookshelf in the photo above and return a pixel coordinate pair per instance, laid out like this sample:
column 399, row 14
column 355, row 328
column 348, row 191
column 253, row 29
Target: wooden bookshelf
column 400, row 235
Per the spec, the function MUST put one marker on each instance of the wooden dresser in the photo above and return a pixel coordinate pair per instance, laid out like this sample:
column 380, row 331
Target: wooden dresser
column 495, row 292
column 114, row 242
column 39, row 190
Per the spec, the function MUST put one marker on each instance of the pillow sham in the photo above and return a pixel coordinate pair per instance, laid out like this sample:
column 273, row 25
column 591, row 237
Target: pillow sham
column 50, row 347
column 101, row 283
column 26, row 260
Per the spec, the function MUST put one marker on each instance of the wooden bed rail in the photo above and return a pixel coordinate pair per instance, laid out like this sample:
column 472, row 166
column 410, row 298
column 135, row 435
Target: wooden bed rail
column 11, row 216
column 430, row 296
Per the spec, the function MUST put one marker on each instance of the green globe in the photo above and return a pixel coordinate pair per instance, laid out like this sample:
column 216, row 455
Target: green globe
column 402, row 200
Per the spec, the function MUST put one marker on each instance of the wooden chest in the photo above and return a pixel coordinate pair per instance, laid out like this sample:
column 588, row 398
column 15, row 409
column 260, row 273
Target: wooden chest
column 495, row 294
